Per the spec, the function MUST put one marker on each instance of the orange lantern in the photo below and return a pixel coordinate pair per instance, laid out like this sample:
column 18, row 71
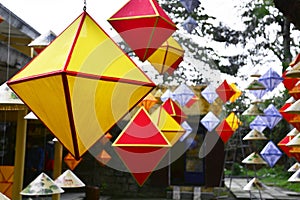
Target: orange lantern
column 148, row 101
column 71, row 161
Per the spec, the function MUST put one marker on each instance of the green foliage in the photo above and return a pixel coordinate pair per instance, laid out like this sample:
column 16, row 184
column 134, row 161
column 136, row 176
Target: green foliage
column 276, row 176
column 267, row 34
column 236, row 169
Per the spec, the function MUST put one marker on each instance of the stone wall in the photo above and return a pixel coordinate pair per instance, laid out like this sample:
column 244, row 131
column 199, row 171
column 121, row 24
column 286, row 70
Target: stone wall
column 117, row 183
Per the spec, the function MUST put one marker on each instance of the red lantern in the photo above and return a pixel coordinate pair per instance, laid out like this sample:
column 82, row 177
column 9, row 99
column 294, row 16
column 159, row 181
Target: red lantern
column 295, row 152
column 283, row 147
column 141, row 146
column 225, row 131
column 143, row 25
column 193, row 100
column 225, row 91
column 296, row 122
column 289, row 82
column 174, row 110
column 287, row 116
column 295, row 91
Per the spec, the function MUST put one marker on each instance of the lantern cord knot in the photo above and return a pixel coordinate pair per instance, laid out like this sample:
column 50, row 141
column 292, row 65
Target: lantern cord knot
column 84, row 5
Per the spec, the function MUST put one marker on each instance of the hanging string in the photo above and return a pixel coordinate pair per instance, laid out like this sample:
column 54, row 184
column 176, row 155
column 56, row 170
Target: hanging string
column 84, row 5
column 7, row 76
column 8, row 46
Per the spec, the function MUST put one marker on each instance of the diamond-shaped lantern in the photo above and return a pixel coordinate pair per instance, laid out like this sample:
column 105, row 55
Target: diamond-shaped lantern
column 294, row 72
column 224, row 131
column 71, row 162
column 295, row 121
column 289, row 82
column 225, row 91
column 189, row 24
column 191, row 102
column 210, row 121
column 6, row 180
column 141, row 146
column 167, row 57
column 293, row 132
column 182, row 94
column 295, row 61
column 295, row 152
column 103, row 157
column 166, row 95
column 237, row 93
column 294, row 108
column 81, row 78
column 148, row 102
column 170, row 128
column 271, row 116
column 271, row 153
column 295, row 91
column 174, row 110
column 143, row 25
column 209, row 94
column 233, row 121
column 294, row 142
column 188, row 130
column 270, row 79
column 190, row 5
column 283, row 145
column 258, row 123
column 257, row 89
column 259, row 94
column 286, row 115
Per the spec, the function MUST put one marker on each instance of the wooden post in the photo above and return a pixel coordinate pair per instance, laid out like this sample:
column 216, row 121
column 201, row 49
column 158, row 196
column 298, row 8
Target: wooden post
column 58, row 150
column 19, row 155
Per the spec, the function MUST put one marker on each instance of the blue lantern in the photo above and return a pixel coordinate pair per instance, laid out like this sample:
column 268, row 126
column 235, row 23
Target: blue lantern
column 270, row 79
column 188, row 129
column 258, row 124
column 271, row 153
column 210, row 121
column 209, row 94
column 190, row 5
column 258, row 93
column 189, row 24
column 272, row 116
column 166, row 95
column 183, row 94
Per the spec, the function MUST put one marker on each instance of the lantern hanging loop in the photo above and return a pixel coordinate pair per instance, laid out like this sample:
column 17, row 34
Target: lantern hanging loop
column 84, row 5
